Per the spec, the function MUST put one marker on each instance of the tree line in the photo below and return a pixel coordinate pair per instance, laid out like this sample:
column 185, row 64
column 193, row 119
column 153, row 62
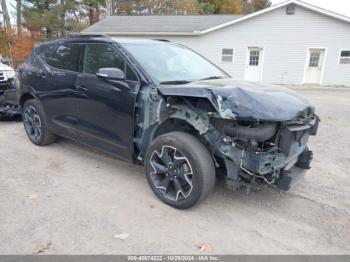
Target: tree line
column 38, row 20
column 58, row 17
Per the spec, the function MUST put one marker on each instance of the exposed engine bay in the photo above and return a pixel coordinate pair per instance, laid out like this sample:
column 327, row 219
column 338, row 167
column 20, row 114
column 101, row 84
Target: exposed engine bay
column 257, row 134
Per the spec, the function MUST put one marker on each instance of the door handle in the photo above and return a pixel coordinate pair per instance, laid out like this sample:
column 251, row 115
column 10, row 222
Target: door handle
column 81, row 88
column 116, row 89
column 42, row 75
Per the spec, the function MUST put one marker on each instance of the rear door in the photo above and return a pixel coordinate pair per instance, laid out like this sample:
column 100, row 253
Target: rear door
column 60, row 96
column 106, row 109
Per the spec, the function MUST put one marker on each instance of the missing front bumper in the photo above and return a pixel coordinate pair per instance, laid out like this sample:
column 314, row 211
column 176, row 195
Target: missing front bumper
column 284, row 178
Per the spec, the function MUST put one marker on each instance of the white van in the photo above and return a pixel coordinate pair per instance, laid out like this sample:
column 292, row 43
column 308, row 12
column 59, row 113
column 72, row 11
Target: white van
column 7, row 74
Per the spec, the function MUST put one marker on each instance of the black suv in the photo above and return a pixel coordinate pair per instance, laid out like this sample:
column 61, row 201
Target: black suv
column 162, row 105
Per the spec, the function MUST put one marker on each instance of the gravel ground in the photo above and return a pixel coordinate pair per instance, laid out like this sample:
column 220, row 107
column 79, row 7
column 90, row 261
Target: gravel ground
column 77, row 199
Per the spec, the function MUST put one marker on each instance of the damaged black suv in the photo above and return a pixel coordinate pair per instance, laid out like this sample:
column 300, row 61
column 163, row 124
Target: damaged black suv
column 164, row 106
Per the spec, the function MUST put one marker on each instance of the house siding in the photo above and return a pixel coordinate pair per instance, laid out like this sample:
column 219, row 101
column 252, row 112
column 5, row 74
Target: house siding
column 285, row 39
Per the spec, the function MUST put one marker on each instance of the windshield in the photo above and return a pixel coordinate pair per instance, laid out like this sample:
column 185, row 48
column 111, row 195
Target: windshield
column 173, row 64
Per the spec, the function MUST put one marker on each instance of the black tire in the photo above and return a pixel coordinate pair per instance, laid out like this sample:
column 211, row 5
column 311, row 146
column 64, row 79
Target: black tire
column 191, row 165
column 38, row 135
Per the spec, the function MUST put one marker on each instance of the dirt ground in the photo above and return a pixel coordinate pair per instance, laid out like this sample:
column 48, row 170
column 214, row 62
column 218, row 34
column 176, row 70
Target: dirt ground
column 79, row 199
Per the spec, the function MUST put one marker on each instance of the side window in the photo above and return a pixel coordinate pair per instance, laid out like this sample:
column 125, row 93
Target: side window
column 45, row 52
column 103, row 55
column 130, row 74
column 100, row 56
column 66, row 57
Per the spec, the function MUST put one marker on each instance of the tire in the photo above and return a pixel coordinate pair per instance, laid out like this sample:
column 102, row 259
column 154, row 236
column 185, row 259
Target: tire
column 35, row 124
column 179, row 169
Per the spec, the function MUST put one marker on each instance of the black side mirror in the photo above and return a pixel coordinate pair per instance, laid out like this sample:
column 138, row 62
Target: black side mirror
column 111, row 74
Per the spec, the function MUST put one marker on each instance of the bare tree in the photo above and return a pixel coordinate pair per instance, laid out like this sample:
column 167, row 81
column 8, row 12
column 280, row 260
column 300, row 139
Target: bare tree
column 62, row 18
column 19, row 17
column 6, row 15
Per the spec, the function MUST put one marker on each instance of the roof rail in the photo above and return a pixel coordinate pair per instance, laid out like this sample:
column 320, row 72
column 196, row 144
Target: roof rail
column 86, row 35
column 161, row 40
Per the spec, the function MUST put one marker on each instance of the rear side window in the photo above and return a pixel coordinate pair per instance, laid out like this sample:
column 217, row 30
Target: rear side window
column 45, row 52
column 101, row 56
column 66, row 57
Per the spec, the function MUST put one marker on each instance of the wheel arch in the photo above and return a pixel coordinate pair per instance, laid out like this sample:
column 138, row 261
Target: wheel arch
column 23, row 98
column 175, row 113
column 172, row 124
column 185, row 125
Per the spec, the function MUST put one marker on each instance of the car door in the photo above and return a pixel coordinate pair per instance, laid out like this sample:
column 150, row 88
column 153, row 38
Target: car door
column 106, row 108
column 59, row 95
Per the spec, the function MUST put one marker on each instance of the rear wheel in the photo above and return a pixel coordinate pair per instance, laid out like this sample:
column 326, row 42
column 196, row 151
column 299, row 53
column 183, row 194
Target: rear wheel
column 35, row 124
column 179, row 169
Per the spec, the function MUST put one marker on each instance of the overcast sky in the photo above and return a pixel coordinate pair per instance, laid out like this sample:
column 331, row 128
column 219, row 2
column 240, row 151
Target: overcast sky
column 338, row 6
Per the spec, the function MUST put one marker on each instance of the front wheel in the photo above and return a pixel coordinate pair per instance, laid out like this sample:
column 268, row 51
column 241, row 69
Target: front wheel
column 179, row 169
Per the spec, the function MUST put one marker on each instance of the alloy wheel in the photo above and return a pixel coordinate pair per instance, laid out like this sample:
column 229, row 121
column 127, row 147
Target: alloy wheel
column 32, row 123
column 172, row 173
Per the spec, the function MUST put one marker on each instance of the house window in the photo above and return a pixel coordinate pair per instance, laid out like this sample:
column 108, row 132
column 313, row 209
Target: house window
column 344, row 57
column 254, row 57
column 314, row 59
column 227, row 55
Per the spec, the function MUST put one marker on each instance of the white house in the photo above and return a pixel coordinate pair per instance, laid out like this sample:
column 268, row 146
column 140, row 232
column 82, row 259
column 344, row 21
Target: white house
column 289, row 43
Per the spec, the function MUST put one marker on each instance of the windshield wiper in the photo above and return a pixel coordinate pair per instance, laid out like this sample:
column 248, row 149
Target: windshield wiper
column 211, row 77
column 175, row 82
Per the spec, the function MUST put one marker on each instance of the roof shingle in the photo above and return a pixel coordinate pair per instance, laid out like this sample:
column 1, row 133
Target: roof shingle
column 180, row 23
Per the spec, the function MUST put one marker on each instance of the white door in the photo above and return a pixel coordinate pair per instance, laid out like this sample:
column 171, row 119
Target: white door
column 314, row 67
column 254, row 64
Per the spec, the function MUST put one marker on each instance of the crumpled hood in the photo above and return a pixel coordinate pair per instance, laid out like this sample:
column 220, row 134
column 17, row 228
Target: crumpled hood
column 244, row 100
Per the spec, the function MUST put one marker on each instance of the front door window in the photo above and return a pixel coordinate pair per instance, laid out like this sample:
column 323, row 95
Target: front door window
column 101, row 56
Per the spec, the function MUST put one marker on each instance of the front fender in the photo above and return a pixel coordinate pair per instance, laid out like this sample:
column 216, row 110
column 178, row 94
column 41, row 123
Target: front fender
column 189, row 92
